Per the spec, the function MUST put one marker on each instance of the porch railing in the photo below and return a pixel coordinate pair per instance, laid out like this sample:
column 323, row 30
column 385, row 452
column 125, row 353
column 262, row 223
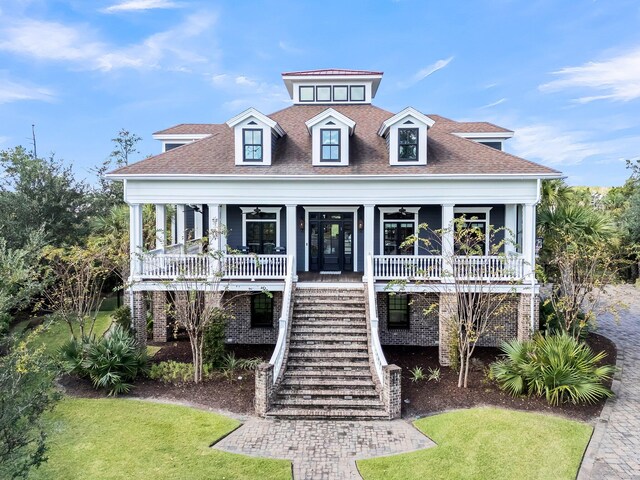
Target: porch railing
column 277, row 358
column 377, row 355
column 163, row 266
column 437, row 268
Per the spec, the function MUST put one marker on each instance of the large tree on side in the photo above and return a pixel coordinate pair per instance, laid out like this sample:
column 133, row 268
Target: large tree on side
column 41, row 193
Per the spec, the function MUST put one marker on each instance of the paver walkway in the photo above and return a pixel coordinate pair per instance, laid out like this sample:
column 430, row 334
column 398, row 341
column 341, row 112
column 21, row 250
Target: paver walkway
column 614, row 452
column 323, row 449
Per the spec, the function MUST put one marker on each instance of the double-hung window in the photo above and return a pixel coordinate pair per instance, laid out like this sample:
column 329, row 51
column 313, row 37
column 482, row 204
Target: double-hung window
column 398, row 311
column 252, row 145
column 474, row 240
column 396, row 228
column 261, row 310
column 407, row 144
column 330, row 145
column 261, row 230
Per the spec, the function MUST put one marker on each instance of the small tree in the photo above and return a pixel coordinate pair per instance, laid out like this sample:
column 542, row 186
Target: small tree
column 480, row 301
column 75, row 295
column 26, row 392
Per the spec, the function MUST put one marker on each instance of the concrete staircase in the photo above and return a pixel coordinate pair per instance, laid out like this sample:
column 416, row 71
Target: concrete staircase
column 327, row 371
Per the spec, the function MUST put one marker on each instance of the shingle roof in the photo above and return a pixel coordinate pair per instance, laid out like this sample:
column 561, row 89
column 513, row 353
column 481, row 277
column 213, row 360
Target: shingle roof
column 447, row 154
column 189, row 129
column 330, row 71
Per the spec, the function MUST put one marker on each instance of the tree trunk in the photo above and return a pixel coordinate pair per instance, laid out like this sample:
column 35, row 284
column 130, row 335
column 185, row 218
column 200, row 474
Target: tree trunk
column 466, row 367
column 462, row 366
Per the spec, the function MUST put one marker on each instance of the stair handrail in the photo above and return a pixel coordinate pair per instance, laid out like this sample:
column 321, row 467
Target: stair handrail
column 379, row 359
column 277, row 359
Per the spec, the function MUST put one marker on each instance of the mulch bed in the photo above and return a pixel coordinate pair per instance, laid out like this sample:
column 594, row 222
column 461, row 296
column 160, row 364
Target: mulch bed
column 428, row 397
column 217, row 393
column 419, row 398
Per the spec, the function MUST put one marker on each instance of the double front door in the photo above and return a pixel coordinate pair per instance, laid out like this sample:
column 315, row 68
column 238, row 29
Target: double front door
column 331, row 242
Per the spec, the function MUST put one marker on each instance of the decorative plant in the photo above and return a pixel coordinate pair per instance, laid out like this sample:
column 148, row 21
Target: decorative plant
column 417, row 374
column 434, row 374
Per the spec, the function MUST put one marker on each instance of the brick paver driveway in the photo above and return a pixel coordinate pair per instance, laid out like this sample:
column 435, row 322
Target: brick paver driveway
column 323, row 449
column 614, row 452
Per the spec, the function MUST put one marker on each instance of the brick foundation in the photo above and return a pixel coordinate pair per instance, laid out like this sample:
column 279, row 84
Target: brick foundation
column 264, row 388
column 392, row 390
column 159, row 310
column 239, row 330
column 524, row 316
column 447, row 309
column 423, row 329
column 139, row 318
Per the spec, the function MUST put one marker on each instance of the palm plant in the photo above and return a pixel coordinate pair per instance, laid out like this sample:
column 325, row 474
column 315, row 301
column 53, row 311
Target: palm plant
column 559, row 367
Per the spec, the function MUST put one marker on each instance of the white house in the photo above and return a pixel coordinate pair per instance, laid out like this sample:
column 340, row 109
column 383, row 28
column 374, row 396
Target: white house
column 317, row 199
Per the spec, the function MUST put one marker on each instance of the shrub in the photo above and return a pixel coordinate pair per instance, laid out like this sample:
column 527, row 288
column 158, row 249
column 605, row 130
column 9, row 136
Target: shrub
column 112, row 362
column 434, row 374
column 559, row 367
column 230, row 364
column 213, row 345
column 176, row 373
column 417, row 374
column 122, row 316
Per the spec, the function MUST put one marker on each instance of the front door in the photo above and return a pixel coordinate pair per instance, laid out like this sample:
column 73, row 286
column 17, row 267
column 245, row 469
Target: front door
column 331, row 242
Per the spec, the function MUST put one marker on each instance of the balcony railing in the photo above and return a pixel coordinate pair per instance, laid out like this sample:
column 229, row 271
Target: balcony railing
column 438, row 268
column 159, row 266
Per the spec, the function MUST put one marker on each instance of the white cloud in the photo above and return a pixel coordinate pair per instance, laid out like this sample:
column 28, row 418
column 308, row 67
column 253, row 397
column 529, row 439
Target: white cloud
column 425, row 72
column 244, row 81
column 286, row 47
column 140, row 5
column 553, row 146
column 13, row 92
column 250, row 92
column 494, row 104
column 617, row 78
column 80, row 46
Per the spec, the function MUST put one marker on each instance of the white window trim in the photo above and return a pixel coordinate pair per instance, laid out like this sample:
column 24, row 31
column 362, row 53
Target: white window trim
column 337, row 209
column 471, row 210
column 247, row 210
column 383, row 210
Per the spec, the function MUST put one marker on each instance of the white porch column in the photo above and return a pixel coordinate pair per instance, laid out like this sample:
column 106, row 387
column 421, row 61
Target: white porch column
column 511, row 227
column 447, row 228
column 180, row 225
column 161, row 227
column 174, row 233
column 369, row 225
column 223, row 226
column 528, row 237
column 135, row 239
column 292, row 239
column 214, row 235
column 198, row 223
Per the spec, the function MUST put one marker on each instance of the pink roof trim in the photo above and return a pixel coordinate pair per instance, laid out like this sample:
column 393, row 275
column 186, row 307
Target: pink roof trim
column 330, row 71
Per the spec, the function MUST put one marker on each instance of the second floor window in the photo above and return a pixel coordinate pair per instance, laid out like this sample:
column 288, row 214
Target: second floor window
column 252, row 145
column 407, row 144
column 330, row 145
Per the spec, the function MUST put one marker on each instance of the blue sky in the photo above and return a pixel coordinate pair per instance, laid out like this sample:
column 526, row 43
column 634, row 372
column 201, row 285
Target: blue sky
column 564, row 75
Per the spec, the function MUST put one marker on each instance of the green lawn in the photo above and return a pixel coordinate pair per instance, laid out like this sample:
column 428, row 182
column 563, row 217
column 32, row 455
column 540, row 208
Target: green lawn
column 127, row 439
column 486, row 443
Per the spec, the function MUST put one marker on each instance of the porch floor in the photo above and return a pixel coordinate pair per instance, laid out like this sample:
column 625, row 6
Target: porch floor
column 345, row 277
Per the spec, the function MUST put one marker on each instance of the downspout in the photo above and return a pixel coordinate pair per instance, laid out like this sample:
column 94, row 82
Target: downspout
column 533, row 271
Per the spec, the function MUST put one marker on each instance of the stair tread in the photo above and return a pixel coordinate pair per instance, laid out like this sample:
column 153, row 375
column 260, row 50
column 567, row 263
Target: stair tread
column 297, row 346
column 336, row 373
column 295, row 381
column 318, row 354
column 328, row 402
column 330, row 392
column 327, row 413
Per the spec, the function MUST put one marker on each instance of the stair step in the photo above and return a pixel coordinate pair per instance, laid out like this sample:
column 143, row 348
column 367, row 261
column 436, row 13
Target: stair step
column 323, row 362
column 336, row 302
column 357, row 295
column 301, row 372
column 296, row 381
column 329, row 315
column 331, row 347
column 329, row 403
column 326, row 329
column 323, row 414
column 319, row 354
column 337, row 393
column 354, row 338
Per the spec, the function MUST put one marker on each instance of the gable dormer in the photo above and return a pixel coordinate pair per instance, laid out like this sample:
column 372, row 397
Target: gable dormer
column 255, row 135
column 330, row 132
column 406, row 135
column 493, row 139
column 332, row 86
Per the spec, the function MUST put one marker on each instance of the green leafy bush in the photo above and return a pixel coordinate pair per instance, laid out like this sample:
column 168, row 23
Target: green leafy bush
column 122, row 316
column 417, row 374
column 231, row 364
column 176, row 373
column 559, row 367
column 213, row 345
column 112, row 362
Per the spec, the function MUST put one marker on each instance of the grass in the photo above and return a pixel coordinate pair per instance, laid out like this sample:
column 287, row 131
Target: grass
column 124, row 439
column 487, row 443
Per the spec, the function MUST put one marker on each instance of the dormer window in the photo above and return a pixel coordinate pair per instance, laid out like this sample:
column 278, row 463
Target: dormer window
column 255, row 136
column 330, row 131
column 330, row 146
column 307, row 94
column 332, row 86
column 252, row 144
column 408, row 144
column 357, row 93
column 340, row 93
column 323, row 94
column 406, row 135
